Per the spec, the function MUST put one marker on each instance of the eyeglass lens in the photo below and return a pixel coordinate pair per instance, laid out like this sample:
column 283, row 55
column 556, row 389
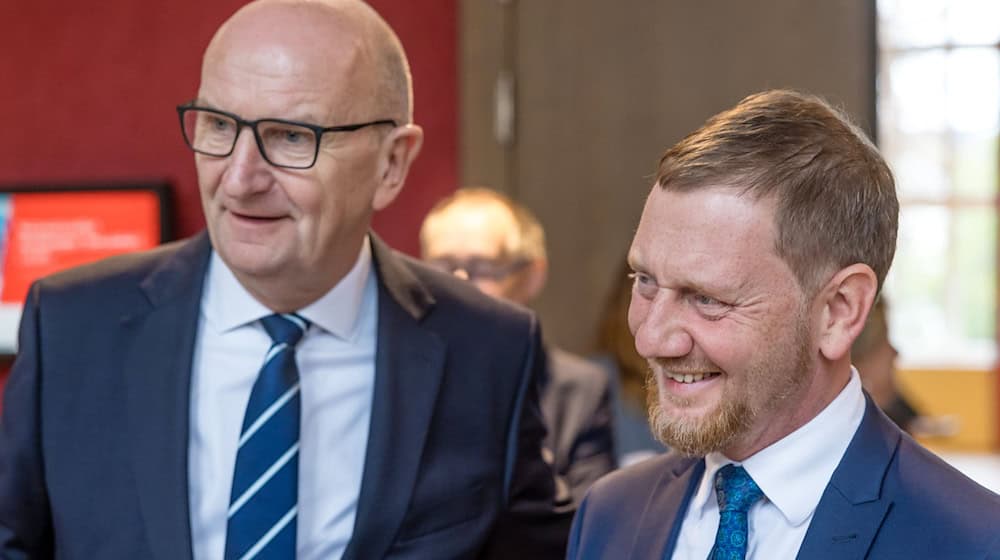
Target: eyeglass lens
column 215, row 134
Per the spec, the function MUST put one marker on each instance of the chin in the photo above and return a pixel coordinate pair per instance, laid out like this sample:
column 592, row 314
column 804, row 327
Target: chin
column 253, row 260
column 697, row 431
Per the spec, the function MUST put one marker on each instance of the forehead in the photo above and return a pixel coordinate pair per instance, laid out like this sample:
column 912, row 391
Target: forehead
column 471, row 230
column 292, row 61
column 711, row 236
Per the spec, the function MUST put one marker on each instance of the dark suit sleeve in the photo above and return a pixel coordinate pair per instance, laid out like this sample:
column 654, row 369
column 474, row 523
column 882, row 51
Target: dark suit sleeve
column 25, row 521
column 593, row 454
column 536, row 522
column 574, row 548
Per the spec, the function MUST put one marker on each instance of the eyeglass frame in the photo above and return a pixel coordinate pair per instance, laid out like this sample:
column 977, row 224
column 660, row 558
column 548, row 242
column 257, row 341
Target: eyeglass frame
column 242, row 123
column 501, row 270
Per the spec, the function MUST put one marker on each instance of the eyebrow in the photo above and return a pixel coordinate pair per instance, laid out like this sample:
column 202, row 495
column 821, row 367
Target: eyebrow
column 696, row 285
column 309, row 119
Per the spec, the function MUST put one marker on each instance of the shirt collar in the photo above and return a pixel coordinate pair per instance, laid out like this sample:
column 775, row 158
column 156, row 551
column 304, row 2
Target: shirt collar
column 794, row 471
column 227, row 305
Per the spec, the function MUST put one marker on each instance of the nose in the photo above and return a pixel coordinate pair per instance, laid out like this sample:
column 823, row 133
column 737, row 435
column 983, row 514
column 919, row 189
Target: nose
column 247, row 171
column 658, row 327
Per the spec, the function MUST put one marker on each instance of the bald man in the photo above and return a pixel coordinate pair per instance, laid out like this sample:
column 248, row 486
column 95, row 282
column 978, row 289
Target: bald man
column 284, row 385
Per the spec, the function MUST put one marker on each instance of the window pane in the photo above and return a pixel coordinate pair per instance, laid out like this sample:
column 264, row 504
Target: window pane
column 911, row 23
column 916, row 284
column 920, row 164
column 973, row 89
column 974, row 290
column 924, row 23
column 912, row 91
column 941, row 289
column 975, row 166
column 973, row 22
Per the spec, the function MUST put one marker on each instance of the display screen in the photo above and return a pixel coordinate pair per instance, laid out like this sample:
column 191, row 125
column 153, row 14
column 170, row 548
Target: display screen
column 47, row 229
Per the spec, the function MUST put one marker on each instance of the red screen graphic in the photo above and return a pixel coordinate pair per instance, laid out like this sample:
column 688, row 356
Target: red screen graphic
column 45, row 232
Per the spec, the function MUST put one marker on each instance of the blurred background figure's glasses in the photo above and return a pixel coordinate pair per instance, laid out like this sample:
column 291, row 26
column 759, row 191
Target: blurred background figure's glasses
column 283, row 143
column 478, row 268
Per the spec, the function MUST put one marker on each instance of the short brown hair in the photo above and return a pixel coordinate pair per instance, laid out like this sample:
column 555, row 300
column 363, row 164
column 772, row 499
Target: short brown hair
column 835, row 195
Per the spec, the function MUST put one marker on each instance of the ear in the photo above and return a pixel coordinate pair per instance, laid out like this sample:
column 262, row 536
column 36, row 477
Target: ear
column 535, row 277
column 397, row 152
column 846, row 300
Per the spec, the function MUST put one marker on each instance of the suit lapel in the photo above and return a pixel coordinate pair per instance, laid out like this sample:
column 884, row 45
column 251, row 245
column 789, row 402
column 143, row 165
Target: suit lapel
column 158, row 347
column 666, row 507
column 409, row 366
column 853, row 506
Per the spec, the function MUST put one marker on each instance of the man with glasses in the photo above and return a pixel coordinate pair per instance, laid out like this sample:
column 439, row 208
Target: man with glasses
column 284, row 386
column 484, row 237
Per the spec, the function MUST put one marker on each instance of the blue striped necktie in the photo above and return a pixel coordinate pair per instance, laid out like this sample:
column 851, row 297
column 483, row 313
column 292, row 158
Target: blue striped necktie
column 263, row 505
column 736, row 493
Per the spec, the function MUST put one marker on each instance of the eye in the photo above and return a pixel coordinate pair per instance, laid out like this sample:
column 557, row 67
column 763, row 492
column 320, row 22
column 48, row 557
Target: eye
column 644, row 285
column 293, row 136
column 702, row 299
column 710, row 307
column 288, row 135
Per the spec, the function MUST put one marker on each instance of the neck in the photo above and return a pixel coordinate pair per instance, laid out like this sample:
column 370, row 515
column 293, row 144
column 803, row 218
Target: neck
column 795, row 410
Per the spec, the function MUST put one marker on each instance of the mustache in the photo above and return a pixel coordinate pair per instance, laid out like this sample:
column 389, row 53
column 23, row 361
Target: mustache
column 681, row 365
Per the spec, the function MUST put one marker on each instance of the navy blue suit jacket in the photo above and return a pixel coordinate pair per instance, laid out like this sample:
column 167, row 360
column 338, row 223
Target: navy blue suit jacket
column 888, row 499
column 94, row 436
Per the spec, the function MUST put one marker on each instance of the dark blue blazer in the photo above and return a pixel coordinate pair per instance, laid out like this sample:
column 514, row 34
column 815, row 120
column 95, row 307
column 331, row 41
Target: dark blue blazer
column 888, row 499
column 94, row 436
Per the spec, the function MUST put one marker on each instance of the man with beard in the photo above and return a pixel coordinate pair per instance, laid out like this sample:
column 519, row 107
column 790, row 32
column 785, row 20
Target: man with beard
column 760, row 250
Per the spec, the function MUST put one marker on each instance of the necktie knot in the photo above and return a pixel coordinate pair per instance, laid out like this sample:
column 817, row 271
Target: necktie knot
column 285, row 328
column 735, row 490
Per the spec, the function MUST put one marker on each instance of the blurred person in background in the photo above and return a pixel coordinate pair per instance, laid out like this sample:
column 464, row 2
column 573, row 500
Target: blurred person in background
column 482, row 236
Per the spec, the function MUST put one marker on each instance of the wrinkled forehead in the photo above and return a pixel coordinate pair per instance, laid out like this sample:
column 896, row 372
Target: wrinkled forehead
column 276, row 48
column 714, row 231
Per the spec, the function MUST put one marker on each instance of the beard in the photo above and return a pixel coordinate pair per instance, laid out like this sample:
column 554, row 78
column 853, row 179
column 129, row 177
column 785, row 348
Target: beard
column 768, row 383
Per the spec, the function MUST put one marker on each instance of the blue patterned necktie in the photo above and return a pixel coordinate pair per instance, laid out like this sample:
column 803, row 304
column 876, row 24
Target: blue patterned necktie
column 736, row 492
column 263, row 505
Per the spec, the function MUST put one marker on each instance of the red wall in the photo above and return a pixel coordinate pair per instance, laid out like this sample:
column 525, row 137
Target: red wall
column 88, row 89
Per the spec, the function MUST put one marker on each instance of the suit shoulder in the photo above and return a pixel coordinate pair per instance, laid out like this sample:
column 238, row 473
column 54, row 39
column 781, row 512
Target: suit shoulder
column 631, row 486
column 928, row 486
column 124, row 267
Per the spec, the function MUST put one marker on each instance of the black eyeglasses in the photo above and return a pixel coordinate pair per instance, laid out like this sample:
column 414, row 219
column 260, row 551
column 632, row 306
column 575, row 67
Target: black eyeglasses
column 283, row 143
column 479, row 268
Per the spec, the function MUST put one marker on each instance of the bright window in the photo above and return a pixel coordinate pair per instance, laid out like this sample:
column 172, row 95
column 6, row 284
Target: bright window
column 938, row 122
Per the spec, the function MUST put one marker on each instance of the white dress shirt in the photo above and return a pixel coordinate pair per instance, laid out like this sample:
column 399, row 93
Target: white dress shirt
column 792, row 472
column 336, row 360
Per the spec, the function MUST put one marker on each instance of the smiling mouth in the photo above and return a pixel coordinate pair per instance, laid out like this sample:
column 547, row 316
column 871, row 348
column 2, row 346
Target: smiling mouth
column 254, row 218
column 690, row 377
